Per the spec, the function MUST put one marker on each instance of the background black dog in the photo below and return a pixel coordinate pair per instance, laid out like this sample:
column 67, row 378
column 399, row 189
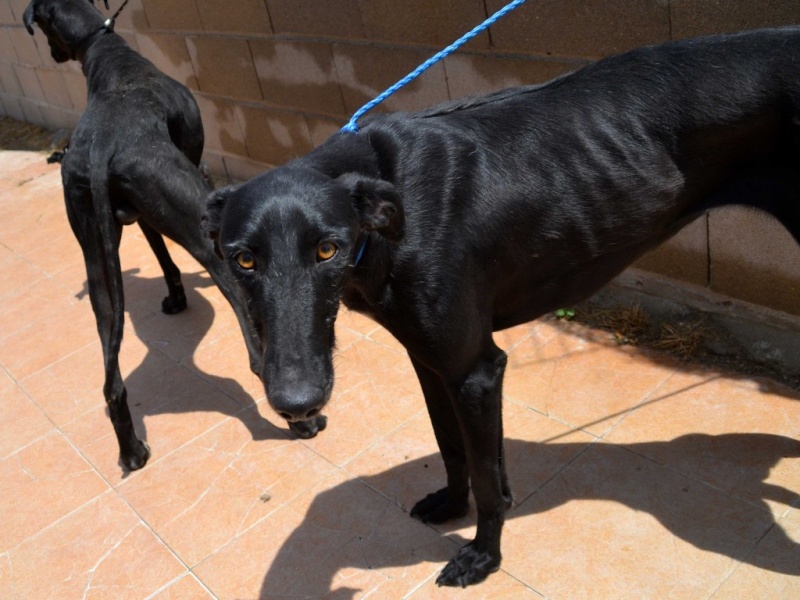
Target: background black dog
column 485, row 213
column 133, row 156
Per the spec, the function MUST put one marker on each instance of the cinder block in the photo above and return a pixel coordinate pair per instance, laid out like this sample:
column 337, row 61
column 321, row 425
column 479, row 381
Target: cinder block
column 25, row 46
column 221, row 125
column 170, row 54
column 580, row 28
column 684, row 257
column 8, row 79
column 365, row 71
column 179, row 15
column 58, row 118
column 247, row 16
column 273, row 137
column 298, row 74
column 432, row 22
column 31, row 112
column 754, row 258
column 17, row 8
column 12, row 107
column 335, row 18
column 131, row 19
column 130, row 39
column 54, row 88
column 241, row 169
column 6, row 15
column 7, row 51
column 692, row 18
column 224, row 66
column 76, row 88
column 216, row 165
column 29, row 82
column 321, row 129
column 474, row 74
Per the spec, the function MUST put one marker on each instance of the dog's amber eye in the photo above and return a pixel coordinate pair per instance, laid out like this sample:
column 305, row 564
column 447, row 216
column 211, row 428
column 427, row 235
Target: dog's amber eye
column 246, row 261
column 326, row 251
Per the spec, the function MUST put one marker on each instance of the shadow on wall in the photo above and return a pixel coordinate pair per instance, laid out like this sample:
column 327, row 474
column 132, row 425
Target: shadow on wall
column 692, row 511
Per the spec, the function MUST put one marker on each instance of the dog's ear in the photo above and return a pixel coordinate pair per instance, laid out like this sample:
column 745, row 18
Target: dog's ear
column 211, row 221
column 378, row 204
column 27, row 18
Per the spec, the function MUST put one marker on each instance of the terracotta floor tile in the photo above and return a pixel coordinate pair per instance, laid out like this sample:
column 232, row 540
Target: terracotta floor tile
column 338, row 539
column 497, row 586
column 17, row 272
column 21, row 166
column 38, row 345
column 693, row 492
column 224, row 482
column 222, row 360
column 102, row 550
column 375, row 391
column 169, row 412
column 355, row 321
column 614, row 524
column 186, row 588
column 406, row 465
column 72, row 386
column 57, row 254
column 737, row 435
column 31, row 304
column 581, row 378
column 40, row 484
column 6, row 577
column 771, row 572
column 22, row 423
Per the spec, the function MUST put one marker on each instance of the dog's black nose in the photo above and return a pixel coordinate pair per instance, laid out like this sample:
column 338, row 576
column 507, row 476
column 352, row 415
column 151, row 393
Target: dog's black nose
column 298, row 403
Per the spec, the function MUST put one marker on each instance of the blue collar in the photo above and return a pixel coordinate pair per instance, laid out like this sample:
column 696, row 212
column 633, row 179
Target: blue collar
column 361, row 251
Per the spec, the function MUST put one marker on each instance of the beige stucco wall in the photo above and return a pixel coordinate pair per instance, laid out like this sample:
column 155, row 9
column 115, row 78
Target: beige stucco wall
column 274, row 78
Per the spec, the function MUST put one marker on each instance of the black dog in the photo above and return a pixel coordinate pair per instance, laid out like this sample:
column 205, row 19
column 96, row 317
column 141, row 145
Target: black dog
column 133, row 156
column 488, row 212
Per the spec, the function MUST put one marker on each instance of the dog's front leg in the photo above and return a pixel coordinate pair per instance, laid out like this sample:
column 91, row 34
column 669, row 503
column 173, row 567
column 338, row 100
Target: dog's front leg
column 450, row 502
column 175, row 302
column 478, row 407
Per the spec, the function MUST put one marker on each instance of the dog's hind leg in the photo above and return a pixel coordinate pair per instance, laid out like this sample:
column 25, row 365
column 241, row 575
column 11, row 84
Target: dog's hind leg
column 106, row 299
column 175, row 302
column 450, row 502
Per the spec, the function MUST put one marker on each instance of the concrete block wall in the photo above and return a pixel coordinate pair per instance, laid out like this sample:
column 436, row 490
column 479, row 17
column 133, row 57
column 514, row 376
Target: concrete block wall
column 274, row 78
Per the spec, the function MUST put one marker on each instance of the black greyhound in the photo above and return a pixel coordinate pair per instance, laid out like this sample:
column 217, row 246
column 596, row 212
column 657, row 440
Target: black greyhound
column 134, row 155
column 484, row 213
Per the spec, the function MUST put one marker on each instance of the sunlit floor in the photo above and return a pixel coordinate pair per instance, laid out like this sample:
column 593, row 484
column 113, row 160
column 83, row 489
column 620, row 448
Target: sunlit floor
column 635, row 476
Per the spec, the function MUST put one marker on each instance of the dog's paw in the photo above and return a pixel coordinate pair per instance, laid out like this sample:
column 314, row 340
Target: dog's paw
column 438, row 507
column 137, row 457
column 310, row 427
column 468, row 567
column 174, row 303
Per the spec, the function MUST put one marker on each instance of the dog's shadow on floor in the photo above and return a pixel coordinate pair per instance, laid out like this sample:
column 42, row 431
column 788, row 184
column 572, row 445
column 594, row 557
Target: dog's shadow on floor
column 360, row 535
column 167, row 379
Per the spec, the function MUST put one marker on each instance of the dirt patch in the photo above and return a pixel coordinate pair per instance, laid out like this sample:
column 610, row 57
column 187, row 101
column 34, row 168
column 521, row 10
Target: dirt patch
column 737, row 343
column 18, row 135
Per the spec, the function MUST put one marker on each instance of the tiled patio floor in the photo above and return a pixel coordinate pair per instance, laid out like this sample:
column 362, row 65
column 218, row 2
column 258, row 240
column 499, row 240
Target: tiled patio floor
column 635, row 476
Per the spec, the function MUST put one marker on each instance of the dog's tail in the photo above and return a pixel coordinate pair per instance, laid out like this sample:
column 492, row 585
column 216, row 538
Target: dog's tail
column 106, row 227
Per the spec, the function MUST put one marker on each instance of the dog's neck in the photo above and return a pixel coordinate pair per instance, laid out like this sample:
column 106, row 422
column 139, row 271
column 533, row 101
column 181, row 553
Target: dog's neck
column 83, row 47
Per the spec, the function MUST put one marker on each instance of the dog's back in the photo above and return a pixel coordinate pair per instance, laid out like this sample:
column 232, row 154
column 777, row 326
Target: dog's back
column 647, row 138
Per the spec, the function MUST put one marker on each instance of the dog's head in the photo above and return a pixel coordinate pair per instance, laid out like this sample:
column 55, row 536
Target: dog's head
column 66, row 23
column 290, row 238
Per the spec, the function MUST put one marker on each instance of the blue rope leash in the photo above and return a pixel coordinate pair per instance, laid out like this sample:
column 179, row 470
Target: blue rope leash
column 352, row 126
